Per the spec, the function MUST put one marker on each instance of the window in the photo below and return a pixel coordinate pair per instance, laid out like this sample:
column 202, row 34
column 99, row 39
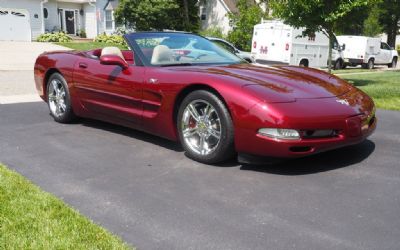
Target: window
column 203, row 15
column 45, row 13
column 109, row 19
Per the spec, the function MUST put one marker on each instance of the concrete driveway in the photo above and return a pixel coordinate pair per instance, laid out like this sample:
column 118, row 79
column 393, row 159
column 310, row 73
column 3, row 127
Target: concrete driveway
column 16, row 70
column 144, row 189
column 22, row 55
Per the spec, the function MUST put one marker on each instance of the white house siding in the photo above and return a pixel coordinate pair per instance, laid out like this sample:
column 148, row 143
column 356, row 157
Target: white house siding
column 34, row 8
column 90, row 20
column 216, row 15
column 52, row 22
column 100, row 4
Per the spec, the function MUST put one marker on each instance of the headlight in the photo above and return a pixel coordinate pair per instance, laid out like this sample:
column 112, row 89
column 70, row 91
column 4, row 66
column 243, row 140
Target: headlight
column 280, row 133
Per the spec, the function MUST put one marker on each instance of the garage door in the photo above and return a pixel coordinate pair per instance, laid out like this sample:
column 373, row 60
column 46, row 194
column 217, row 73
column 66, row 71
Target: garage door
column 15, row 25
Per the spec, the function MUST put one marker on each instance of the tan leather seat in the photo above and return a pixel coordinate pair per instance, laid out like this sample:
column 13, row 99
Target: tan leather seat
column 162, row 55
column 112, row 51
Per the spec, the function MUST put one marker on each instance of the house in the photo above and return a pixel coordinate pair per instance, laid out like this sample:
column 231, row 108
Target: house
column 214, row 13
column 26, row 19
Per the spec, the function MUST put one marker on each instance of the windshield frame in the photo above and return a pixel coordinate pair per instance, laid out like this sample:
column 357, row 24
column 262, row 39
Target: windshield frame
column 142, row 60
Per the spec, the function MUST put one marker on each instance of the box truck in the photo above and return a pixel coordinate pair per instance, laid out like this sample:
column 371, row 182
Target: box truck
column 367, row 51
column 275, row 42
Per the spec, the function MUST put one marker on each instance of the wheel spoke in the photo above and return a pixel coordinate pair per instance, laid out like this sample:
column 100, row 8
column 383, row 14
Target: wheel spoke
column 193, row 112
column 55, row 86
column 189, row 132
column 52, row 97
column 201, row 145
column 214, row 133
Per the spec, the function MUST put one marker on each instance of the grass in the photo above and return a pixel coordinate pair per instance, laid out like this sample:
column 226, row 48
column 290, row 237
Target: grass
column 33, row 219
column 383, row 87
column 89, row 45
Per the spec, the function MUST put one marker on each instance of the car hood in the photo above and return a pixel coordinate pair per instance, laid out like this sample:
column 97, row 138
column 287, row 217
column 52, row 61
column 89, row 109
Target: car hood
column 280, row 83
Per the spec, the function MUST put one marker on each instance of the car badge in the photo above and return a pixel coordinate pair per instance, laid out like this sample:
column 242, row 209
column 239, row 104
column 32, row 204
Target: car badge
column 343, row 101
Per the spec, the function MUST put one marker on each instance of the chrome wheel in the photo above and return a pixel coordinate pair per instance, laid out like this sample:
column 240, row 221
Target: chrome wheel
column 201, row 127
column 57, row 98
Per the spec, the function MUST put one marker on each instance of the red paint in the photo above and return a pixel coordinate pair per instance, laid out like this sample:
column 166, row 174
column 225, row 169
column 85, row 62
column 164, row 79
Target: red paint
column 257, row 97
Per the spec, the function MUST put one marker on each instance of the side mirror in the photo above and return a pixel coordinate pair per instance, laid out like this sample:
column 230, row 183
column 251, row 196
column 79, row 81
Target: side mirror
column 114, row 60
column 343, row 47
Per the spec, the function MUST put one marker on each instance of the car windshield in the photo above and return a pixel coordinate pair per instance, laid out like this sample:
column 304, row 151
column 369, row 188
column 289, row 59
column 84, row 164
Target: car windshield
column 170, row 49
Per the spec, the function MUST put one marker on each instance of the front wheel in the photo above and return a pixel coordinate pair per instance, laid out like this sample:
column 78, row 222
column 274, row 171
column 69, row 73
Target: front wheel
column 59, row 99
column 393, row 64
column 205, row 128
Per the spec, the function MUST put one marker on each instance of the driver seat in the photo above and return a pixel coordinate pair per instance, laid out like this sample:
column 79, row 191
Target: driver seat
column 112, row 51
column 162, row 54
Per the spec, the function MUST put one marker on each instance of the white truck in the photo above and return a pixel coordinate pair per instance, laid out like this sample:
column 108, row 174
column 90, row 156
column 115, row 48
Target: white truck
column 367, row 51
column 275, row 42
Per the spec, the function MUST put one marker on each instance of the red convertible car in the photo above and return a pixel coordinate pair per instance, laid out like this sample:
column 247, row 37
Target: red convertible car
column 182, row 87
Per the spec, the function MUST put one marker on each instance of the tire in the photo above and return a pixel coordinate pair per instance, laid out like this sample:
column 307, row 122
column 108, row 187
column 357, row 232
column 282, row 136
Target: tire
column 303, row 63
column 369, row 65
column 59, row 99
column 205, row 128
column 338, row 65
column 393, row 64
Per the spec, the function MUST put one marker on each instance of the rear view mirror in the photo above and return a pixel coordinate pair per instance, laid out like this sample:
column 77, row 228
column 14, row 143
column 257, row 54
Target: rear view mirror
column 113, row 60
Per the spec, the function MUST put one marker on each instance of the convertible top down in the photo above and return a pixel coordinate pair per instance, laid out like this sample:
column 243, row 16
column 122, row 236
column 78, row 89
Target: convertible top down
column 182, row 87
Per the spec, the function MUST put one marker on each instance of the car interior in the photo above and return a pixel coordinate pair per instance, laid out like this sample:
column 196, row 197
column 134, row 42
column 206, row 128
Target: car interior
column 126, row 55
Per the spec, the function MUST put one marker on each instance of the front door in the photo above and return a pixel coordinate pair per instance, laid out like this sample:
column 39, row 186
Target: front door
column 108, row 92
column 70, row 21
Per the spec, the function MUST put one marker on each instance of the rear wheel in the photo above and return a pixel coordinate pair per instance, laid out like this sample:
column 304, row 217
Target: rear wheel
column 393, row 64
column 205, row 128
column 369, row 65
column 58, row 99
column 303, row 63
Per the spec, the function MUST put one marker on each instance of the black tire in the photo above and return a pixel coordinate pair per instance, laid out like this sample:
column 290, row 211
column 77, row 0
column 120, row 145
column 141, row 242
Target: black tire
column 224, row 150
column 344, row 66
column 67, row 115
column 369, row 65
column 338, row 65
column 303, row 63
column 393, row 64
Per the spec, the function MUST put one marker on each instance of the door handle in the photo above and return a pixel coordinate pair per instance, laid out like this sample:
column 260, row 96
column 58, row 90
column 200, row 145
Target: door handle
column 83, row 65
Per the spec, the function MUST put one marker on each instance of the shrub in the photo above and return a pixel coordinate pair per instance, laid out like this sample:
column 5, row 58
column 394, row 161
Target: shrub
column 54, row 37
column 398, row 49
column 112, row 39
column 213, row 32
column 82, row 33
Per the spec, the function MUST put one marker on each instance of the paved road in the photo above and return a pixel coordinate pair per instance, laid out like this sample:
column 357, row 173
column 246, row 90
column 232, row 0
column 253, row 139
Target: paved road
column 144, row 189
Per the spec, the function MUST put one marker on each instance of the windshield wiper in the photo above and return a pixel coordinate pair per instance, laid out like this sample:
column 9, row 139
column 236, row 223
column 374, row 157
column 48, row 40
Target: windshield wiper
column 176, row 64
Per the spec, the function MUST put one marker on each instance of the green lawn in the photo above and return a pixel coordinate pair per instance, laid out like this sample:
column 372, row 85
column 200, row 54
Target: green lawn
column 383, row 87
column 33, row 219
column 89, row 45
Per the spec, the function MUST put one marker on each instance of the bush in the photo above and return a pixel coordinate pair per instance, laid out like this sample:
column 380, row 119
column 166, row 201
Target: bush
column 54, row 37
column 112, row 39
column 398, row 49
column 82, row 33
column 213, row 32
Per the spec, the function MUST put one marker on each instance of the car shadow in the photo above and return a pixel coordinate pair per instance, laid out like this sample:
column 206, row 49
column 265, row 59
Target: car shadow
column 322, row 162
column 132, row 133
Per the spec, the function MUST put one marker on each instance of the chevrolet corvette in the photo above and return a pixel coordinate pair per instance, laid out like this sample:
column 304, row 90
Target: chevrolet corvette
column 182, row 87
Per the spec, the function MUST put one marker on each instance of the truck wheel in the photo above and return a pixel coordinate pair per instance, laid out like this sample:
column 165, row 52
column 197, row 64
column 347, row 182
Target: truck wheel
column 370, row 64
column 393, row 64
column 338, row 65
column 303, row 63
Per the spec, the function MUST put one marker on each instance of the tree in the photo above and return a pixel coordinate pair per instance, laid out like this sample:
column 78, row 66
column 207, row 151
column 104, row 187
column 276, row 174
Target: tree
column 390, row 19
column 158, row 14
column 315, row 15
column 371, row 25
column 249, row 14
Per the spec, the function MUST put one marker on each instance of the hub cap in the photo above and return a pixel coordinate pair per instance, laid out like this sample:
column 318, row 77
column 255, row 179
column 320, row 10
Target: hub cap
column 201, row 127
column 57, row 98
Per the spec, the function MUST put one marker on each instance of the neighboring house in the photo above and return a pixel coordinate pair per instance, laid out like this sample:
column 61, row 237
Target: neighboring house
column 214, row 13
column 27, row 19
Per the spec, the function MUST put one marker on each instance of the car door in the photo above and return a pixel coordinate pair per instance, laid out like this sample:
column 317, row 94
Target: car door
column 109, row 92
column 384, row 55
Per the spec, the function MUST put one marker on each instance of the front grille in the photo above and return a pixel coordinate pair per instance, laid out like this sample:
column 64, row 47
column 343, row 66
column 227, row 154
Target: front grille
column 319, row 133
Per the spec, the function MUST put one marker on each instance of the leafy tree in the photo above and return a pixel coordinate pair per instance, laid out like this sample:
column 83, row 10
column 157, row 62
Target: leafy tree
column 353, row 22
column 372, row 26
column 213, row 32
column 315, row 15
column 390, row 19
column 249, row 15
column 158, row 14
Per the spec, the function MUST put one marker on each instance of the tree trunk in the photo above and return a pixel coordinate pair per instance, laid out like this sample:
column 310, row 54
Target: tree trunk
column 391, row 36
column 186, row 13
column 331, row 38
